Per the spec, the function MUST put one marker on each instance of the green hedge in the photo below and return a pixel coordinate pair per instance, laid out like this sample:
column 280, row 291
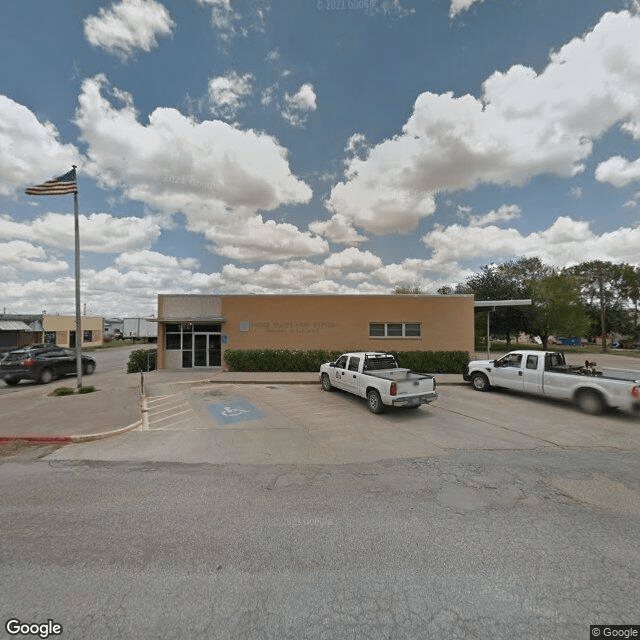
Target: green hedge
column 284, row 360
column 142, row 360
column 433, row 361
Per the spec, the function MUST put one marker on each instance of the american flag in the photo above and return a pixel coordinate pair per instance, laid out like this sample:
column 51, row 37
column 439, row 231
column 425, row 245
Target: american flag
column 59, row 186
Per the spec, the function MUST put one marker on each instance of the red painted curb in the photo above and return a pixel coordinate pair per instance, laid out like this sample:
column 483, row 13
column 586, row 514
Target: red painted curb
column 41, row 439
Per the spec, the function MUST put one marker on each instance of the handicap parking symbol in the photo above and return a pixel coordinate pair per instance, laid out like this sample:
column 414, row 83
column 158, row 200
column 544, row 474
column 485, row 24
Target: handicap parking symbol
column 234, row 411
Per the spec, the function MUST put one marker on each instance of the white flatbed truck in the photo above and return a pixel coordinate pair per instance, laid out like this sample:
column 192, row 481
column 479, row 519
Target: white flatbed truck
column 546, row 373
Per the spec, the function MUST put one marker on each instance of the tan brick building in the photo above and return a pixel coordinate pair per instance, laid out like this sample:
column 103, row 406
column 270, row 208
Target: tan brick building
column 61, row 330
column 195, row 330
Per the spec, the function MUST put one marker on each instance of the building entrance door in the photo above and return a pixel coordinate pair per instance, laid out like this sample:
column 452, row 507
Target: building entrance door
column 200, row 343
column 206, row 350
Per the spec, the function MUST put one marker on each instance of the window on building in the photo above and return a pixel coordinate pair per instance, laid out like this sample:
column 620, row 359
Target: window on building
column 50, row 337
column 412, row 330
column 172, row 337
column 213, row 327
column 395, row 330
column 376, row 329
column 87, row 336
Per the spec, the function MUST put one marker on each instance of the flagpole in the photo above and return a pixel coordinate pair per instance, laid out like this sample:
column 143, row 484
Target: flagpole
column 78, row 317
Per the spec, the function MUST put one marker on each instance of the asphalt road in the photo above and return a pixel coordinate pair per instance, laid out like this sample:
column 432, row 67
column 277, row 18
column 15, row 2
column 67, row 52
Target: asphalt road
column 476, row 545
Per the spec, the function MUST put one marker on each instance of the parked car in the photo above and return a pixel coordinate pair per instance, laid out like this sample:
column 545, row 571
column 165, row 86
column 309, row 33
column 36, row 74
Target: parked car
column 41, row 363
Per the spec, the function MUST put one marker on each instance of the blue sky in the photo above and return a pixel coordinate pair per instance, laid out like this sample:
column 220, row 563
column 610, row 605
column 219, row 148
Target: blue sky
column 338, row 146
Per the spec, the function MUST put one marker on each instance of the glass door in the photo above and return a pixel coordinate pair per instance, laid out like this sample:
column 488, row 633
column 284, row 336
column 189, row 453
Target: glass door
column 200, row 350
column 215, row 359
column 201, row 347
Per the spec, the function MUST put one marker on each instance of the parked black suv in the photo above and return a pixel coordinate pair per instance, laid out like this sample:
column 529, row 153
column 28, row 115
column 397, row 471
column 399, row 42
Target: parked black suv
column 42, row 363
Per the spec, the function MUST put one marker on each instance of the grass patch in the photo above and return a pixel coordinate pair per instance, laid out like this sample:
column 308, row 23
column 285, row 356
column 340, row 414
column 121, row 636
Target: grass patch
column 68, row 391
column 62, row 391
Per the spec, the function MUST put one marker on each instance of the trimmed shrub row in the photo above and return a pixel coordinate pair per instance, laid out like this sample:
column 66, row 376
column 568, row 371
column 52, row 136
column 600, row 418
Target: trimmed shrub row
column 142, row 360
column 433, row 361
column 285, row 360
column 278, row 359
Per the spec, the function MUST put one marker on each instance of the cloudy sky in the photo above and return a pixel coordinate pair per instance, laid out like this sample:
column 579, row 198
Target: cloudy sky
column 339, row 146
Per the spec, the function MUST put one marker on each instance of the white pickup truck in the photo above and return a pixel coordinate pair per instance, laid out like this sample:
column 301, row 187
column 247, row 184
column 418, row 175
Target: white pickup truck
column 546, row 373
column 377, row 377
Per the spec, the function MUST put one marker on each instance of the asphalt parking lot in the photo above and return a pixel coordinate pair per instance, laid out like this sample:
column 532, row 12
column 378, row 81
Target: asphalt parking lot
column 302, row 424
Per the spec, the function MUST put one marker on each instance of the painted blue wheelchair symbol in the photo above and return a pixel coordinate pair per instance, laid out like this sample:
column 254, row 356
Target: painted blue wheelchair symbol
column 232, row 412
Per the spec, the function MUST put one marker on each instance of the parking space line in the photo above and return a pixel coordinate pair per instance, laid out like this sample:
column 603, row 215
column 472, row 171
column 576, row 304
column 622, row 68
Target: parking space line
column 172, row 408
column 173, row 415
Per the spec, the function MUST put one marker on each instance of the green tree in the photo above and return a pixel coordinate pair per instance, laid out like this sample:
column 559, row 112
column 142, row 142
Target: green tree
column 631, row 290
column 557, row 307
column 605, row 291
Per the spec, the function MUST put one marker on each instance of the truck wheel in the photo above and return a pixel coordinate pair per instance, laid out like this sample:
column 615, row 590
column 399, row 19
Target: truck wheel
column 326, row 383
column 89, row 368
column 12, row 381
column 46, row 376
column 374, row 401
column 590, row 402
column 480, row 382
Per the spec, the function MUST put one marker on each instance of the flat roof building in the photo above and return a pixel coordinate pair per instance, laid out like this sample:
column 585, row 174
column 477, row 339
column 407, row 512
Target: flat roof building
column 195, row 330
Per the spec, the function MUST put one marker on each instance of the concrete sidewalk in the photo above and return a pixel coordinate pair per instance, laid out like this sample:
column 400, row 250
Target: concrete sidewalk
column 33, row 414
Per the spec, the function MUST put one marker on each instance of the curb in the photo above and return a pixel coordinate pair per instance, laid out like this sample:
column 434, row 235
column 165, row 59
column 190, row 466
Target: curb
column 196, row 383
column 39, row 439
column 70, row 439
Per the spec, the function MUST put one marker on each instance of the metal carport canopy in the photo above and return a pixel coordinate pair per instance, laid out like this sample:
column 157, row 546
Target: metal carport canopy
column 501, row 303
column 491, row 305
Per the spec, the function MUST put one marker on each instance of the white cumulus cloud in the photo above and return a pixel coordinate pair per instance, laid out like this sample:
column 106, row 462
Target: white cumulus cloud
column 99, row 232
column 19, row 256
column 227, row 93
column 525, row 124
column 563, row 243
column 502, row 214
column 217, row 175
column 30, row 150
column 257, row 239
column 297, row 106
column 618, row 171
column 457, row 6
column 127, row 26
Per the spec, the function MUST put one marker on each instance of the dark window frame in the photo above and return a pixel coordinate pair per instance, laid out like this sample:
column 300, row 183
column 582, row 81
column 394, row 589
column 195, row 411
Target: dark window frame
column 415, row 329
